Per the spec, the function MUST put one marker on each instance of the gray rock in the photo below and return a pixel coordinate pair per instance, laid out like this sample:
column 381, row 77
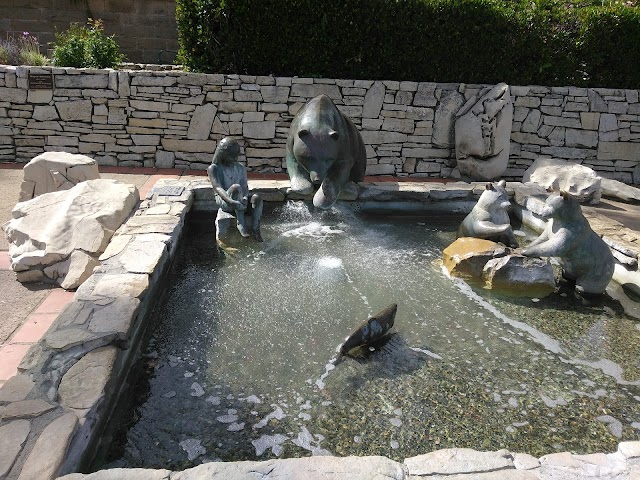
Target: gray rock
column 26, row 409
column 84, row 383
column 12, row 437
column 533, row 277
column 580, row 181
column 311, row 468
column 50, row 448
column 373, row 100
column 16, row 388
column 201, row 122
column 55, row 171
column 115, row 317
column 619, row 190
column 454, row 461
column 47, row 229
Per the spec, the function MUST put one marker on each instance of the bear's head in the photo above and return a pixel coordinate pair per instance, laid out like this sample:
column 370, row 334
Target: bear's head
column 495, row 197
column 562, row 206
column 316, row 149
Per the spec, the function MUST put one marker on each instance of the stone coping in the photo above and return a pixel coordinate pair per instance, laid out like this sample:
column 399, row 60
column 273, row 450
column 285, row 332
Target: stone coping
column 453, row 464
column 53, row 411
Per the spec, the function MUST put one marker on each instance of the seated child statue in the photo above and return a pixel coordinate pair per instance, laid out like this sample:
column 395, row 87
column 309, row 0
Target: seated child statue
column 229, row 181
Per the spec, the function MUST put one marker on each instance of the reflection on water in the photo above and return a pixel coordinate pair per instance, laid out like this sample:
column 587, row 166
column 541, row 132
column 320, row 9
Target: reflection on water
column 238, row 364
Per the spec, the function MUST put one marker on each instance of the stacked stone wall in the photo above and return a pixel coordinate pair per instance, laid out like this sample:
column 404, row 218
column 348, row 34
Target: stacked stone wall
column 172, row 119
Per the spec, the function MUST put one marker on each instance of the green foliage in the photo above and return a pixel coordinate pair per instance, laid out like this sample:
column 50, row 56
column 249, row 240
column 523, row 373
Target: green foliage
column 86, row 46
column 474, row 41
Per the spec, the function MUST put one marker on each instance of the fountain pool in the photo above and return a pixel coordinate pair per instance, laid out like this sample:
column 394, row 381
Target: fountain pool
column 236, row 364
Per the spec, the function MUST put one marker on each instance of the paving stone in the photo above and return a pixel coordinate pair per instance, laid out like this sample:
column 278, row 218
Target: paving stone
column 12, row 437
column 458, row 460
column 48, row 453
column 630, row 449
column 121, row 474
column 150, row 224
column 16, row 388
column 26, row 409
column 145, row 252
column 311, row 468
column 116, row 316
column 67, row 338
column 524, row 461
column 84, row 383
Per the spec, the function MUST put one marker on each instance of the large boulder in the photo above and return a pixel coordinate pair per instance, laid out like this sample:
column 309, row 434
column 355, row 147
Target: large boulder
column 54, row 171
column 553, row 173
column 60, row 235
column 467, row 256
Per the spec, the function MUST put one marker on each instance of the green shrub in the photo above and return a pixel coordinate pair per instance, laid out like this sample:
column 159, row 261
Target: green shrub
column 86, row 46
column 471, row 41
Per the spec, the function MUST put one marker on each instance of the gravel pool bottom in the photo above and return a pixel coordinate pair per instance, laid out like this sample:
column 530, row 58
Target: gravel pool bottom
column 236, row 365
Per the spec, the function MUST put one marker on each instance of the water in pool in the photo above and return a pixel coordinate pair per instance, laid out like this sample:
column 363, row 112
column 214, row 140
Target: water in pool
column 237, row 361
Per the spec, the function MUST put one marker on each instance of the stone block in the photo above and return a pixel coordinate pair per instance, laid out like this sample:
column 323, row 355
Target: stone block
column 581, row 138
column 82, row 81
column 618, row 151
column 192, row 146
column 608, row 123
column 381, row 169
column 309, row 91
column 201, row 122
column 39, row 96
column 77, row 110
column 146, row 139
column 398, row 125
column 590, row 120
column 373, row 100
column 165, row 159
column 259, row 130
column 13, row 95
column 379, row 137
column 425, row 95
column 149, row 106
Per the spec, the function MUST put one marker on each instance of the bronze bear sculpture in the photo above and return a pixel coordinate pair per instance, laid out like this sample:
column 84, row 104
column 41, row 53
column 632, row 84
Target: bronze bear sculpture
column 324, row 148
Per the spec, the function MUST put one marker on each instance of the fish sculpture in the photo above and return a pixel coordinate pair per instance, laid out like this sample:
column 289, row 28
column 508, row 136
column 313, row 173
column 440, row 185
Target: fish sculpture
column 371, row 330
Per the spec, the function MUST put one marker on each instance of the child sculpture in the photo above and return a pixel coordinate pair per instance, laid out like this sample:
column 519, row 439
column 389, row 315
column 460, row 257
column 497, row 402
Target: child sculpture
column 229, row 181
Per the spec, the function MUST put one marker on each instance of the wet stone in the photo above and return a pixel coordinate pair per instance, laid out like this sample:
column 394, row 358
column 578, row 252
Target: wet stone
column 12, row 437
column 26, row 409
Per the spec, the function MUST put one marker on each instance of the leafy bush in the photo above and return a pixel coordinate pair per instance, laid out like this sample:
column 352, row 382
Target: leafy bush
column 22, row 50
column 86, row 46
column 473, row 41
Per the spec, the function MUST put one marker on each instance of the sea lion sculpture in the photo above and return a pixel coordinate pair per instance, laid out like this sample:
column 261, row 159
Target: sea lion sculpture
column 324, row 148
column 372, row 329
